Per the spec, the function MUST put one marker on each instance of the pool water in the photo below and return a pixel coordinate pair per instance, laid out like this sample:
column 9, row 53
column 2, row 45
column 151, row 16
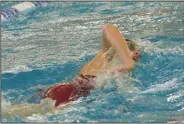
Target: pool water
column 50, row 44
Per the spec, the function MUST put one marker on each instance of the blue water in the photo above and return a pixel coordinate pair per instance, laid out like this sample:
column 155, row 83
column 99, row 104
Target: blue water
column 50, row 44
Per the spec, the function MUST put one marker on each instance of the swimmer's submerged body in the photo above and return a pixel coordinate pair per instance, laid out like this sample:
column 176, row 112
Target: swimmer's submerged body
column 114, row 46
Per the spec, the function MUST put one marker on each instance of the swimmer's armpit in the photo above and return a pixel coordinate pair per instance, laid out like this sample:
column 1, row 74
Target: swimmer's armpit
column 110, row 54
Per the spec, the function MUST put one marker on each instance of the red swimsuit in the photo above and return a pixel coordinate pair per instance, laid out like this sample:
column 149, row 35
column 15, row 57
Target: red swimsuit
column 62, row 93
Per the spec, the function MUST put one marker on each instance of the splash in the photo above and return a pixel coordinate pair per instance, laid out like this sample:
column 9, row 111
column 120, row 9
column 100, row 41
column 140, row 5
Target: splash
column 162, row 87
column 122, row 81
column 5, row 105
column 161, row 47
column 17, row 69
column 25, row 109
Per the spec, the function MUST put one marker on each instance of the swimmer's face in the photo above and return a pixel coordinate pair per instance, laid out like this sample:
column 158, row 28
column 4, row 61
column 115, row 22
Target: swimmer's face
column 135, row 55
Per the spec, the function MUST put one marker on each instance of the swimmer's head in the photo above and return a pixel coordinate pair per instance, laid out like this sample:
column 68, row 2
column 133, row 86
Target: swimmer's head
column 134, row 49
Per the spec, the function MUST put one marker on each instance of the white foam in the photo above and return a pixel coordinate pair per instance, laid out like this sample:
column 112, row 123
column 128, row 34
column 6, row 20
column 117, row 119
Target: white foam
column 162, row 87
column 5, row 105
column 122, row 80
column 182, row 109
column 2, row 18
column 25, row 109
column 125, row 85
column 14, row 91
column 36, row 117
column 23, row 7
column 26, row 47
column 157, row 47
column 102, row 79
column 17, row 69
column 174, row 97
column 47, row 104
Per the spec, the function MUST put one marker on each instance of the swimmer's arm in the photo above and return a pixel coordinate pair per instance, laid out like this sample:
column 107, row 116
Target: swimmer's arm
column 112, row 35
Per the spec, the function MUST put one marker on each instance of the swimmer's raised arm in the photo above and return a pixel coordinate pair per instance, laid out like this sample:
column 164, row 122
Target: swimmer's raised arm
column 113, row 37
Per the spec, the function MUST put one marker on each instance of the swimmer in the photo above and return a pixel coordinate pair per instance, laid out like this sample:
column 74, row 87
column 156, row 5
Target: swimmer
column 114, row 45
